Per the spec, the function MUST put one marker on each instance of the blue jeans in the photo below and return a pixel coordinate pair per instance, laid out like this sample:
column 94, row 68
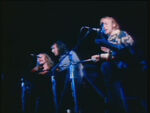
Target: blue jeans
column 113, row 74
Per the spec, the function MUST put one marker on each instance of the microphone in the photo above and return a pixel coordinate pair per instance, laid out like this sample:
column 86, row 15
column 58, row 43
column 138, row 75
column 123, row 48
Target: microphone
column 89, row 28
column 93, row 29
column 34, row 55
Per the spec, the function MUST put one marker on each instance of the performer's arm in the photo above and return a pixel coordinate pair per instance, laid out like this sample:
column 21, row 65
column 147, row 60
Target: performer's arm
column 125, row 41
column 115, row 47
column 102, row 56
column 35, row 69
column 43, row 73
column 64, row 64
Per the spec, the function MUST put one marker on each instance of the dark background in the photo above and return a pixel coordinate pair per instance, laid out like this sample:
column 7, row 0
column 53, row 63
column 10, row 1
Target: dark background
column 32, row 27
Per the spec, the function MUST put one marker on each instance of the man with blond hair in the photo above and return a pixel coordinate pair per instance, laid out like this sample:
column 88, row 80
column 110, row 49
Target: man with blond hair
column 116, row 53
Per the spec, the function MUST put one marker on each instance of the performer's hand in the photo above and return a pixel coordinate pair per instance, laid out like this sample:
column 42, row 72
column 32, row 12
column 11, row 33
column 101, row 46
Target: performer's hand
column 35, row 69
column 105, row 49
column 95, row 58
column 58, row 69
column 43, row 73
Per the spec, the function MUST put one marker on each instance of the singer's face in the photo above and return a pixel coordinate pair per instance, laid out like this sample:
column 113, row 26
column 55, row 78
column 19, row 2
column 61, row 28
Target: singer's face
column 41, row 59
column 108, row 26
column 55, row 50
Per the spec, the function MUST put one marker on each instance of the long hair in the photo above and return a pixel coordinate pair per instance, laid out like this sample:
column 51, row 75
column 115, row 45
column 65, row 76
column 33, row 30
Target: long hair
column 48, row 59
column 62, row 47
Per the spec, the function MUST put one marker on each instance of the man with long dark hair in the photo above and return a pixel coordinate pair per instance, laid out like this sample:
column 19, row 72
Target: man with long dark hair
column 66, row 58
